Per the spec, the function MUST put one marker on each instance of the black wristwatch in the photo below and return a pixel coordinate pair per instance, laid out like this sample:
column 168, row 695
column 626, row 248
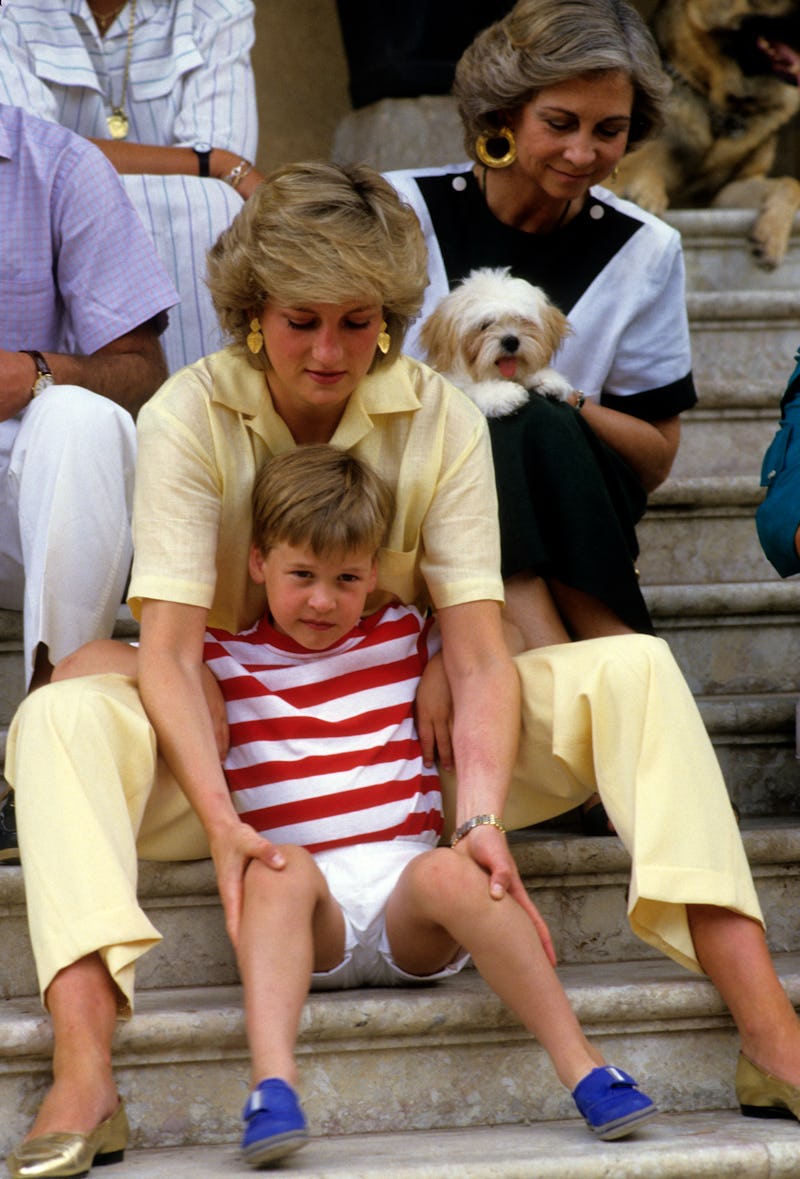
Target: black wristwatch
column 203, row 153
column 45, row 378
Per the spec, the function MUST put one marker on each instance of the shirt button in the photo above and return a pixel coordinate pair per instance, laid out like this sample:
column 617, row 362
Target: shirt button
column 596, row 212
column 459, row 183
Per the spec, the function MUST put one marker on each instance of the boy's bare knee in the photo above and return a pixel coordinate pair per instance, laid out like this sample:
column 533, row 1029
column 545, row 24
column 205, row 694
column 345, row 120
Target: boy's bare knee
column 443, row 875
column 299, row 872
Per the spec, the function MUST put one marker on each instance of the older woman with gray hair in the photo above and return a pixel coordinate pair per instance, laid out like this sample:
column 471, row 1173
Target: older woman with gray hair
column 550, row 98
column 315, row 281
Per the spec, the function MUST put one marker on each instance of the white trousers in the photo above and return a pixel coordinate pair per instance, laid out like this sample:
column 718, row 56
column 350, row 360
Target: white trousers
column 66, row 484
column 612, row 714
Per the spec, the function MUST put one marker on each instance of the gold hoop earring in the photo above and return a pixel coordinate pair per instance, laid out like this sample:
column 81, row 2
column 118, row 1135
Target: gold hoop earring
column 255, row 338
column 384, row 340
column 503, row 148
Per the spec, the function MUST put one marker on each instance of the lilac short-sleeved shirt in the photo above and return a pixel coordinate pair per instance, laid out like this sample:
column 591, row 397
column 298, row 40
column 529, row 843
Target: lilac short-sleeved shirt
column 77, row 267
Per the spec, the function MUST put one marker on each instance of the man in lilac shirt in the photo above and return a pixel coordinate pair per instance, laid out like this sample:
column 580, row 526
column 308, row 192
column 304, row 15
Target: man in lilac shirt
column 84, row 300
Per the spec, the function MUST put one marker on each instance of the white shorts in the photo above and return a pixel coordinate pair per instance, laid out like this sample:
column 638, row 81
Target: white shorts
column 361, row 878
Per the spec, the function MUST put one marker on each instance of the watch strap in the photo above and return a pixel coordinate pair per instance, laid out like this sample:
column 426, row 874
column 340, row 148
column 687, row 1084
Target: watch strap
column 45, row 375
column 203, row 161
column 41, row 364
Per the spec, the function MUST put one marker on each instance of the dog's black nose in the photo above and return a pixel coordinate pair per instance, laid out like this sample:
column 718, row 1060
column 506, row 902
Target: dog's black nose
column 509, row 343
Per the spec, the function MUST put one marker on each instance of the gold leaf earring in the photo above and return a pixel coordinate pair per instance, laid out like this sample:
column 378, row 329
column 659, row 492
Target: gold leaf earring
column 255, row 338
column 384, row 340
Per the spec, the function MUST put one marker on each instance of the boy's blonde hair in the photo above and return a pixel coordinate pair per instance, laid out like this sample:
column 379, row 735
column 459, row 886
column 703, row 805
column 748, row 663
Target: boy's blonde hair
column 323, row 498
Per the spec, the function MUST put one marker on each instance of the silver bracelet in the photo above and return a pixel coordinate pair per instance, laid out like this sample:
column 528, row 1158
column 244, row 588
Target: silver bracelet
column 475, row 821
column 237, row 174
column 580, row 400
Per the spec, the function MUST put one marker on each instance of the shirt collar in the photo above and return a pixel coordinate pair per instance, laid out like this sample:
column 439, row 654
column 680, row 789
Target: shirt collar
column 389, row 390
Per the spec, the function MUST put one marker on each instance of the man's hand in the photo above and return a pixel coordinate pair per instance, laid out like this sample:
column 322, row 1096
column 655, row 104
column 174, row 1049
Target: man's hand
column 17, row 374
column 487, row 846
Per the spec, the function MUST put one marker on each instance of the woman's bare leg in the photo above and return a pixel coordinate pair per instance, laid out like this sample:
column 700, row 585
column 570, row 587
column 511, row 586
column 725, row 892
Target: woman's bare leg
column 440, row 903
column 83, row 1002
column 732, row 950
column 530, row 607
column 585, row 616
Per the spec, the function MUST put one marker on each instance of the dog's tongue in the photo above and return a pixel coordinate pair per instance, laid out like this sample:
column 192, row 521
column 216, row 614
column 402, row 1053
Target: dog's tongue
column 785, row 61
column 508, row 367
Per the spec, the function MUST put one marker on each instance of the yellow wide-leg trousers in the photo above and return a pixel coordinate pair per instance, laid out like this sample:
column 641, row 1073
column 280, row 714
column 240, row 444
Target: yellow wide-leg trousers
column 612, row 714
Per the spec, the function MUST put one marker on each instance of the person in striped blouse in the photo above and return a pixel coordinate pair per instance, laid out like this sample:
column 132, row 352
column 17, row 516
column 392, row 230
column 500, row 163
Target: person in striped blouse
column 323, row 759
column 165, row 89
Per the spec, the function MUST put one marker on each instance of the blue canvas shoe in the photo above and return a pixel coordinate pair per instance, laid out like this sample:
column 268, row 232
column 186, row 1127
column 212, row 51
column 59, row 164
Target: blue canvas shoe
column 611, row 1104
column 274, row 1124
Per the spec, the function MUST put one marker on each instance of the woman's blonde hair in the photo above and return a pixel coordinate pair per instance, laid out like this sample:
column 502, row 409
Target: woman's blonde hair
column 544, row 42
column 320, row 233
column 322, row 498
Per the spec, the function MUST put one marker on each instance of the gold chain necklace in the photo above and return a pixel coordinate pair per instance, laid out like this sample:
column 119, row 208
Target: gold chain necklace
column 118, row 123
column 104, row 22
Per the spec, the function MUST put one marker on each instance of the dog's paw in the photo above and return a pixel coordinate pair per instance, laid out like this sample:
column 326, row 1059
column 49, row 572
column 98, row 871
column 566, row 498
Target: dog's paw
column 770, row 236
column 550, row 384
column 497, row 399
column 641, row 179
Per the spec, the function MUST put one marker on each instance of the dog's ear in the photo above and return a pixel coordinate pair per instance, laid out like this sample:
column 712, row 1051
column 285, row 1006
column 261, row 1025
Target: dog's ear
column 434, row 336
column 555, row 327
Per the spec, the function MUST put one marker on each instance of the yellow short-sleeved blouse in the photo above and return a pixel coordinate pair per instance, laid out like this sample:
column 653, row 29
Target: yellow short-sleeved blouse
column 203, row 436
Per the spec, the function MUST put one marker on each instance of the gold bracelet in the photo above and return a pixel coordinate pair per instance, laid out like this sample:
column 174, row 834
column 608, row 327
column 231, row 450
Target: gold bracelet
column 475, row 821
column 237, row 174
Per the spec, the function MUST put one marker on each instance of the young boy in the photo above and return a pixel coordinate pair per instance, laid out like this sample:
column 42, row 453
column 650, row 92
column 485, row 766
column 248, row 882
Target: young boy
column 324, row 761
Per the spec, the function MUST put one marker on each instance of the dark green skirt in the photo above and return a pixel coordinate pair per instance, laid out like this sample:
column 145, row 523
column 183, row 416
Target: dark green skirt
column 568, row 506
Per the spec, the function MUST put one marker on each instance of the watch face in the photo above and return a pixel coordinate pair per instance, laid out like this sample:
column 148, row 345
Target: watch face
column 202, row 147
column 42, row 382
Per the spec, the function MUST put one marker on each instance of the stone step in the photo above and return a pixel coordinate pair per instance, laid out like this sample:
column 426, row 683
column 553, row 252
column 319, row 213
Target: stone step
column 754, row 740
column 717, row 255
column 702, row 531
column 728, row 439
column 383, row 1061
column 716, row 1145
column 579, row 885
column 744, row 336
column 736, row 638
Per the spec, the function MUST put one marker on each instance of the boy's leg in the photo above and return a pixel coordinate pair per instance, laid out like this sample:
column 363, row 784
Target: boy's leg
column 440, row 903
column 291, row 926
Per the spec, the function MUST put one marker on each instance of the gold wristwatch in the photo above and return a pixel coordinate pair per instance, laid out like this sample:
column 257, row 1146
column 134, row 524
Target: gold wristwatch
column 45, row 378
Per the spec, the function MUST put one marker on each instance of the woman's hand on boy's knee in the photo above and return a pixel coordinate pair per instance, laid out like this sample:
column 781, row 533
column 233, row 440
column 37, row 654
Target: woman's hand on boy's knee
column 232, row 852
column 488, row 847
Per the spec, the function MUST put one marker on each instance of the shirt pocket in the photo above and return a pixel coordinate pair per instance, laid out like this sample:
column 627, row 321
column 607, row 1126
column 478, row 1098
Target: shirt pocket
column 399, row 574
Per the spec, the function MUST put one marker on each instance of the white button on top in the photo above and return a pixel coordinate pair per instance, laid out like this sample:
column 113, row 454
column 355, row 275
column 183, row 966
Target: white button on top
column 459, row 183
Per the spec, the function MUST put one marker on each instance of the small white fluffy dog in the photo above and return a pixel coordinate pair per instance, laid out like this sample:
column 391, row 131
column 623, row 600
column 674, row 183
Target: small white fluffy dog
column 494, row 337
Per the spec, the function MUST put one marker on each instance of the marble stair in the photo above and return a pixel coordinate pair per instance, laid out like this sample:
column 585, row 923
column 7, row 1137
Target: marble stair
column 441, row 1081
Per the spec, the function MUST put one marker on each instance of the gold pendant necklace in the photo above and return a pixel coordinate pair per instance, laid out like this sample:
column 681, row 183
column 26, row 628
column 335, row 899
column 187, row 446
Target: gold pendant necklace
column 118, row 123
column 104, row 23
